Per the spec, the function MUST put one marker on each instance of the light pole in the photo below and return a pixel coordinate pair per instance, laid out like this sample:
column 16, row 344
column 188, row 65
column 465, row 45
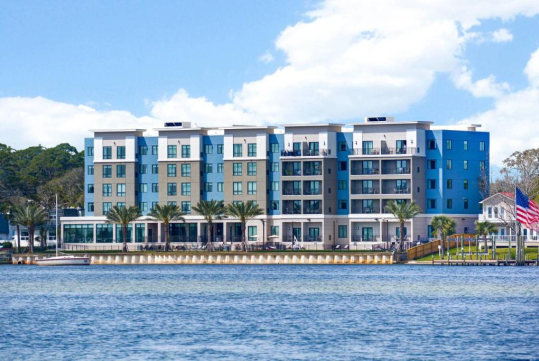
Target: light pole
column 263, row 234
column 440, row 251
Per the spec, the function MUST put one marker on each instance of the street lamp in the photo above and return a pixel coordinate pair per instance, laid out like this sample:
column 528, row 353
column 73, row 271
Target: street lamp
column 440, row 251
column 263, row 234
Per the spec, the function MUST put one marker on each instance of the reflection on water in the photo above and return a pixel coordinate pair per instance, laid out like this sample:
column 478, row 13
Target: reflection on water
column 269, row 312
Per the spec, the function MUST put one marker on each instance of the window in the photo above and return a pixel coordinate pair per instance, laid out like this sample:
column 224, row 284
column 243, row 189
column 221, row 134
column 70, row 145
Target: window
column 481, row 165
column 274, row 147
column 274, row 231
column 143, row 150
column 449, row 144
column 274, row 186
column 481, row 146
column 143, row 168
column 106, row 208
column 465, row 203
column 431, row 184
column 186, row 207
column 220, row 167
column 449, row 184
column 171, row 170
column 208, row 168
column 90, row 188
column 155, row 187
column 186, row 189
column 367, row 147
column 237, row 189
column 107, row 171
column 208, row 187
column 186, row 151
column 208, row 149
column 107, row 152
column 143, row 188
column 120, row 204
column 465, row 165
column 431, row 164
column 432, row 144
column 449, row 164
column 237, row 169
column 143, row 206
column 220, row 148
column 120, row 190
column 342, row 204
column 342, row 166
column 343, row 231
column 251, row 150
column 120, row 171
column 155, row 150
column 275, row 166
column 186, row 170
column 251, row 168
column 252, row 232
column 90, row 170
column 171, row 189
column 238, row 150
column 449, row 204
column 107, row 190
column 251, row 188
column 172, row 151
column 90, row 206
column 90, row 151
column 154, row 204
column 342, row 146
column 465, row 184
column 220, row 186
column 275, row 205
column 465, row 145
column 120, row 152
column 342, row 185
column 172, row 203
column 431, row 203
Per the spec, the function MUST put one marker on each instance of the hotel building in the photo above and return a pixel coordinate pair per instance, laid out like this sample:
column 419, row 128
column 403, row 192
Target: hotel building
column 318, row 184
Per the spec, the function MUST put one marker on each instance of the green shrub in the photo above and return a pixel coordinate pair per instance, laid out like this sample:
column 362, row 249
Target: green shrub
column 7, row 245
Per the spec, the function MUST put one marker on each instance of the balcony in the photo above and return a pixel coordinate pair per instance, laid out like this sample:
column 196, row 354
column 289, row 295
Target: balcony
column 312, row 188
column 316, row 152
column 291, row 188
column 291, row 169
column 365, row 239
column 396, row 190
column 311, row 191
column 312, row 168
column 384, row 151
column 290, row 153
column 364, row 190
column 291, row 207
column 365, row 207
column 394, row 170
column 364, row 171
column 312, row 207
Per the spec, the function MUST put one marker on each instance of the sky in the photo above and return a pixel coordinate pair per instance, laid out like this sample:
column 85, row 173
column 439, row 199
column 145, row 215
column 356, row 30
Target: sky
column 70, row 66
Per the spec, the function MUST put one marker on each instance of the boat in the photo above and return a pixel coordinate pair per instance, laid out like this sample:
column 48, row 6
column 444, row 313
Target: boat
column 64, row 259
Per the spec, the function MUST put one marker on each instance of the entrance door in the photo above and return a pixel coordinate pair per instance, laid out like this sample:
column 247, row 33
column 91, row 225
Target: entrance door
column 367, row 234
column 150, row 235
column 296, row 233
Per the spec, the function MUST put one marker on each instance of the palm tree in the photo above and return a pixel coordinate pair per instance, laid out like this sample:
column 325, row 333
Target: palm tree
column 9, row 216
column 210, row 210
column 484, row 229
column 403, row 212
column 123, row 216
column 244, row 212
column 30, row 216
column 443, row 226
column 166, row 214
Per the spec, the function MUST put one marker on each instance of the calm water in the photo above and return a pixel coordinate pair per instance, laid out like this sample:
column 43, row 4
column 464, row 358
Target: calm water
column 269, row 312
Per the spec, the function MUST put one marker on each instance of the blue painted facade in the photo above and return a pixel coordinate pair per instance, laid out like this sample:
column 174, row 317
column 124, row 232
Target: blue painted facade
column 148, row 176
column 343, row 175
column 210, row 154
column 274, row 157
column 88, row 175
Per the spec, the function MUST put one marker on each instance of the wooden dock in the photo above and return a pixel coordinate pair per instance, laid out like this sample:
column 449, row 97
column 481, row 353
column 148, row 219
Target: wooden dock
column 475, row 262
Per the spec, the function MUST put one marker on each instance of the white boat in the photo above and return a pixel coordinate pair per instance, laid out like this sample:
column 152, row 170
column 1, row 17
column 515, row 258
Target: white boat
column 63, row 260
column 67, row 260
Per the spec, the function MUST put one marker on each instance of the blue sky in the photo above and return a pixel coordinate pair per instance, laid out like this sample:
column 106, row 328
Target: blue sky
column 68, row 66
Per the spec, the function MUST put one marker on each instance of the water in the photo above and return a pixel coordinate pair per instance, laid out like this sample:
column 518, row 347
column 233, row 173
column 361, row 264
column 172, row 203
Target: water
column 269, row 312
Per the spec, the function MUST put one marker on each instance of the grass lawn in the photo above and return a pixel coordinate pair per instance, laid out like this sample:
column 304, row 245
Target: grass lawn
column 530, row 252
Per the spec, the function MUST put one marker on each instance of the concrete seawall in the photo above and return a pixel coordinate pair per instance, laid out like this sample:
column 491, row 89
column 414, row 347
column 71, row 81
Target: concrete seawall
column 228, row 258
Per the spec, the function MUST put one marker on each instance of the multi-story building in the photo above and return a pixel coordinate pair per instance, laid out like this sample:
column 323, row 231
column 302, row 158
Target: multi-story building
column 317, row 183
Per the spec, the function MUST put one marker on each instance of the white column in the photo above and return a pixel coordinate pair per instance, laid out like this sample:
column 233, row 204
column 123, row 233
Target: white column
column 159, row 231
column 95, row 233
column 198, row 231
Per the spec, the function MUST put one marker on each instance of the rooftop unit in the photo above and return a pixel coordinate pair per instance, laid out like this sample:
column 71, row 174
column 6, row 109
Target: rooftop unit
column 379, row 119
column 178, row 124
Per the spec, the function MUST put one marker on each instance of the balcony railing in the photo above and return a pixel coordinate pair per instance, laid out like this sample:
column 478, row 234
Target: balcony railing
column 359, row 190
column 291, row 172
column 396, row 190
column 306, row 153
column 312, row 191
column 291, row 153
column 291, row 192
column 310, row 172
column 291, row 210
column 312, row 211
column 383, row 151
column 365, row 239
column 364, row 171
column 356, row 210
column 395, row 170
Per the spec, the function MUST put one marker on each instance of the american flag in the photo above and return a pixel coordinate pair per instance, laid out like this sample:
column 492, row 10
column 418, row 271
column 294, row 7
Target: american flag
column 527, row 210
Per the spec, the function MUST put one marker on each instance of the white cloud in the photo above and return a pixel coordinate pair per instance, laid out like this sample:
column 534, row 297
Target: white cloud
column 514, row 119
column 486, row 87
column 266, row 58
column 502, row 35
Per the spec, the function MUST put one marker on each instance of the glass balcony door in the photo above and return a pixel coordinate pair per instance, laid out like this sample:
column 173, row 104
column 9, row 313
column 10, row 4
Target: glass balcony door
column 367, row 147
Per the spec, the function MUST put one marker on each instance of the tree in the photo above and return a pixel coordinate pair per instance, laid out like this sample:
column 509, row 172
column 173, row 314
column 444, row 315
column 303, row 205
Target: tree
column 167, row 214
column 30, row 216
column 520, row 169
column 123, row 216
column 484, row 229
column 243, row 212
column 443, row 226
column 210, row 210
column 403, row 212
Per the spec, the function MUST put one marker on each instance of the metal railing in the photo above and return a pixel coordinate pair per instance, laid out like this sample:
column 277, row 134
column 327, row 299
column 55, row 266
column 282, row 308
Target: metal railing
column 312, row 191
column 395, row 170
column 291, row 173
column 312, row 172
column 364, row 171
column 383, row 151
column 292, row 192
column 360, row 190
column 357, row 210
column 312, row 211
column 396, row 190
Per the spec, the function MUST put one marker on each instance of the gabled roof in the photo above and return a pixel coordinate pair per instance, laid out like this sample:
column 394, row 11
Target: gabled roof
column 508, row 195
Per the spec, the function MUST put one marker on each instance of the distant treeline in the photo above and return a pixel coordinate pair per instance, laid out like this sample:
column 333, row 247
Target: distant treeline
column 38, row 173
